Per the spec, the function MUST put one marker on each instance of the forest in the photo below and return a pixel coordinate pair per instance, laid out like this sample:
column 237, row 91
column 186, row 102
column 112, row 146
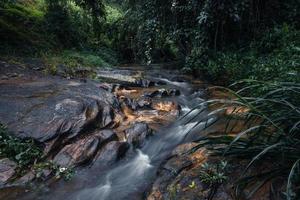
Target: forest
column 154, row 100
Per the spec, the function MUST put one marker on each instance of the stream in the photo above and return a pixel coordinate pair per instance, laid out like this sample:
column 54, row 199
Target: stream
column 132, row 176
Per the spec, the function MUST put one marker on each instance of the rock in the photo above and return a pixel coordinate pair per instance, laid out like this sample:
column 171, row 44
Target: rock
column 28, row 177
column 137, row 134
column 106, row 136
column 130, row 103
column 78, row 153
column 164, row 93
column 173, row 92
column 177, row 173
column 106, row 86
column 111, row 152
column 166, row 106
column 84, row 150
column 13, row 75
column 182, row 149
column 178, row 79
column 38, row 68
column 4, row 77
column 51, row 109
column 141, row 103
column 7, row 170
column 159, row 93
column 144, row 102
column 107, row 116
column 144, row 83
column 176, row 164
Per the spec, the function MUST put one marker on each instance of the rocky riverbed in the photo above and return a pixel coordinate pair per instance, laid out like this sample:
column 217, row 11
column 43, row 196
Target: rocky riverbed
column 127, row 134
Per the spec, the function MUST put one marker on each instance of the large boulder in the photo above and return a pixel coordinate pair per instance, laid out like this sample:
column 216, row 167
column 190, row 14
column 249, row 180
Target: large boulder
column 111, row 152
column 144, row 83
column 137, row 133
column 7, row 170
column 178, row 177
column 84, row 150
column 43, row 108
column 77, row 153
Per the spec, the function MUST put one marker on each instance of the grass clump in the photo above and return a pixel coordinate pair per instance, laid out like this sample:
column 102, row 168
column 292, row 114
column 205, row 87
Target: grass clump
column 213, row 174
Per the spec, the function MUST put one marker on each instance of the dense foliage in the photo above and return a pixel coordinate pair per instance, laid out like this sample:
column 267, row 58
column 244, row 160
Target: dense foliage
column 42, row 27
column 205, row 35
column 224, row 39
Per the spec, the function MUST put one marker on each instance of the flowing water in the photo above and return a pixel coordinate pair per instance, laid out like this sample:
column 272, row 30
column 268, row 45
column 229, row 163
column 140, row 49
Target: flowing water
column 131, row 177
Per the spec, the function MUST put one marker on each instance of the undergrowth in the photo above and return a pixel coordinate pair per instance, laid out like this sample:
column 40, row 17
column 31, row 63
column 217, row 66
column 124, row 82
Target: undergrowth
column 73, row 59
column 28, row 156
column 23, row 151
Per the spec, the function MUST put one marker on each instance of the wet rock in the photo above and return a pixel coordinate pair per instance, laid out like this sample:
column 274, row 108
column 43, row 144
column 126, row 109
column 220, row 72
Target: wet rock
column 159, row 93
column 106, row 86
column 111, row 152
column 106, row 135
column 28, row 177
column 130, row 103
column 38, row 68
column 166, row 106
column 142, row 103
column 4, row 77
column 184, row 148
column 177, row 173
column 106, row 117
column 46, row 108
column 78, row 153
column 178, row 79
column 173, row 92
column 159, row 82
column 13, row 75
column 145, row 83
column 137, row 134
column 164, row 93
column 7, row 170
